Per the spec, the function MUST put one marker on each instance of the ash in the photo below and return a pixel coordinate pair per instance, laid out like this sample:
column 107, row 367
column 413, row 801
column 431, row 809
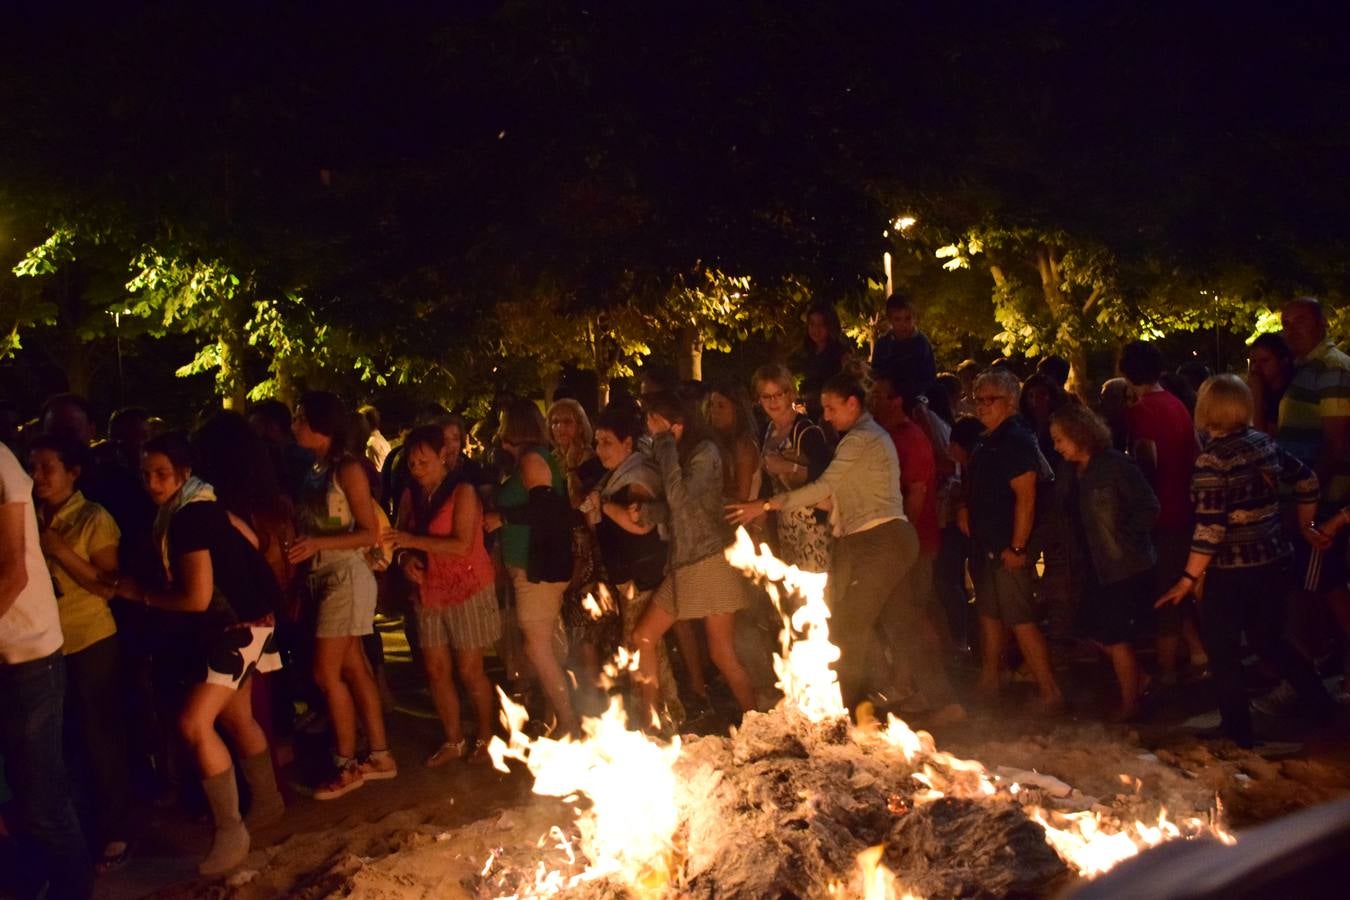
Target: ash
column 783, row 808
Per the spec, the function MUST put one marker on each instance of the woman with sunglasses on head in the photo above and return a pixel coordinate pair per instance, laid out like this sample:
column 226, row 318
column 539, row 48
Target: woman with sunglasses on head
column 795, row 453
column 337, row 523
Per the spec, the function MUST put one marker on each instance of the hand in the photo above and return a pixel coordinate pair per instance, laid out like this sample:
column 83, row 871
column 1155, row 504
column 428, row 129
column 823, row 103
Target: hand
column 399, row 540
column 414, row 569
column 1013, row 561
column 52, row 543
column 128, row 587
column 300, row 550
column 1333, row 525
column 777, row 464
column 1176, row 593
column 1316, row 538
column 657, row 423
column 492, row 521
column 963, row 521
column 744, row 513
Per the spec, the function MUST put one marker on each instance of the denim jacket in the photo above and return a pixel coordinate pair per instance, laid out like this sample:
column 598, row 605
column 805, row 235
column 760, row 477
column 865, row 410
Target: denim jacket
column 692, row 509
column 863, row 478
column 1116, row 508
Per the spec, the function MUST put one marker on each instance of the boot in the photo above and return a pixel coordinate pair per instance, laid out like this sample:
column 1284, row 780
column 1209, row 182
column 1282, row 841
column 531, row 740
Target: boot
column 230, row 845
column 265, row 804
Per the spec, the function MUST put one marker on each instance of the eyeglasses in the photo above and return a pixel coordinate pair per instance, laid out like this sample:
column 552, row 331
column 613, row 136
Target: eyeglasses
column 989, row 399
column 769, row 398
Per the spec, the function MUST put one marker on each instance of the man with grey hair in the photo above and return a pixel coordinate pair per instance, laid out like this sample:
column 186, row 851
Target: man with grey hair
column 997, row 514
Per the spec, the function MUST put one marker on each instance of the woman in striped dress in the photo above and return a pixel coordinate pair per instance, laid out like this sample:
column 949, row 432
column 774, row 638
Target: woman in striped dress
column 439, row 540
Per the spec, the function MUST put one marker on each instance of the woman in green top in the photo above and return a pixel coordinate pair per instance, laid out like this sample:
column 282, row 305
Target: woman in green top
column 532, row 514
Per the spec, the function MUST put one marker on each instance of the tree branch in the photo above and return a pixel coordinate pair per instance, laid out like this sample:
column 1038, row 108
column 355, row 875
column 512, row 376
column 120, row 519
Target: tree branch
column 1092, row 299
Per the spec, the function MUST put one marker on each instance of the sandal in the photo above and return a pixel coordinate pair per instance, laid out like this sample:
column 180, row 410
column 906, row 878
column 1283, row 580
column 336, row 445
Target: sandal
column 447, row 752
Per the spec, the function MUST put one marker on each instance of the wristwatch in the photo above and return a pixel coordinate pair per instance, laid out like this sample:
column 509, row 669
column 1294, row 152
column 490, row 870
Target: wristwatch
column 768, row 506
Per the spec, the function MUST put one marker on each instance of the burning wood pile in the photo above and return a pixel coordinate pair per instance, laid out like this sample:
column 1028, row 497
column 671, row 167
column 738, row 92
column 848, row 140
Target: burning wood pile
column 800, row 802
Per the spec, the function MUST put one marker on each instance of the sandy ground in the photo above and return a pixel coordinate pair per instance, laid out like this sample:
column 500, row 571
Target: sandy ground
column 428, row 832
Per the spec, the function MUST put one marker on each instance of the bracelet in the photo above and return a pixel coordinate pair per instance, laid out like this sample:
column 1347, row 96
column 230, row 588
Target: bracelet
column 1189, row 577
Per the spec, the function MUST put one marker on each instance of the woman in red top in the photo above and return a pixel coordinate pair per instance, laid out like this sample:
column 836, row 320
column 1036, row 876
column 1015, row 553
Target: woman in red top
column 440, row 543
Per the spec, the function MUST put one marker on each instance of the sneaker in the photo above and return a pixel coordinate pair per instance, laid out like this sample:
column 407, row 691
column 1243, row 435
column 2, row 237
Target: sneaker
column 347, row 779
column 1282, row 702
column 446, row 753
column 378, row 768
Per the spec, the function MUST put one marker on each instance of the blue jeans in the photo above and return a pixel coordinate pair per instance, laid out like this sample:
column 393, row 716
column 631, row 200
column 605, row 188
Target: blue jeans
column 31, row 696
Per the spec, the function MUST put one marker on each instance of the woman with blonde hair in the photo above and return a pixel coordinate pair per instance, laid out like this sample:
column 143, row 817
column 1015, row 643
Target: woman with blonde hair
column 1241, row 548
column 795, row 452
column 590, row 636
column 572, row 440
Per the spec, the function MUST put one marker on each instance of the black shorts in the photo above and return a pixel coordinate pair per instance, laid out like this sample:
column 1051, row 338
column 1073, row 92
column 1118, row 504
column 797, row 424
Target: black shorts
column 1110, row 613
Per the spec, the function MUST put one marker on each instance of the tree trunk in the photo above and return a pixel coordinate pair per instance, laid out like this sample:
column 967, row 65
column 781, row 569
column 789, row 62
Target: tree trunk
column 1078, row 374
column 1062, row 307
column 550, row 382
column 689, row 353
column 230, row 379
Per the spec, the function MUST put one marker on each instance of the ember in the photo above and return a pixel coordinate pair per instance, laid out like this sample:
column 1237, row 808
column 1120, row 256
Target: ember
column 800, row 802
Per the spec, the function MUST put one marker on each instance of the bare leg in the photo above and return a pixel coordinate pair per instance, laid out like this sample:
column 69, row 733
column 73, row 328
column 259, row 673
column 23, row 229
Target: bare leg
column 361, row 682
column 722, row 648
column 588, row 661
column 238, row 721
column 542, row 652
column 1127, row 676
column 329, row 654
column 479, row 687
column 1037, row 655
column 1169, row 649
column 692, row 654
column 197, row 725
column 991, row 655
column 655, row 622
column 444, row 695
column 1190, row 633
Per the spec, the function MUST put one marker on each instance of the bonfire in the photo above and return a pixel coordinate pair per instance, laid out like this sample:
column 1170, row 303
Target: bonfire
column 800, row 801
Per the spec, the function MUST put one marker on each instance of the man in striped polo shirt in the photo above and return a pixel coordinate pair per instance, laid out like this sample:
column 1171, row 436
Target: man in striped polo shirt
column 1314, row 426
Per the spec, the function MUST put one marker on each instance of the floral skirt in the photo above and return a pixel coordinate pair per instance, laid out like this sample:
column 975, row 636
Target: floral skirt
column 803, row 541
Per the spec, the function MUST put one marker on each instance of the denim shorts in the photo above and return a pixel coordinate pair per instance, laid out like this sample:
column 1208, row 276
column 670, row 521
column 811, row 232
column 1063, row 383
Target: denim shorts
column 344, row 591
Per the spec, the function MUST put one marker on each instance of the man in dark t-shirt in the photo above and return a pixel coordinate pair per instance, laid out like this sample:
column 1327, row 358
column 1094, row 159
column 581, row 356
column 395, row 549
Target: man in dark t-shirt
column 905, row 355
column 997, row 514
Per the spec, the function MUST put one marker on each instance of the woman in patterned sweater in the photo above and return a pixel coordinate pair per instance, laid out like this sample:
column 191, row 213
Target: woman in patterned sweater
column 1241, row 543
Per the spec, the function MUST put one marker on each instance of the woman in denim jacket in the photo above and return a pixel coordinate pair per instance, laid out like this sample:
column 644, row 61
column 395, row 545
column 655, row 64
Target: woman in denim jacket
column 699, row 582
column 1107, row 510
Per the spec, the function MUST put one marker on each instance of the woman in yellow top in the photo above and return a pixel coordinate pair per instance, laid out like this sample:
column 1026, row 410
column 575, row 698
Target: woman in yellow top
column 79, row 541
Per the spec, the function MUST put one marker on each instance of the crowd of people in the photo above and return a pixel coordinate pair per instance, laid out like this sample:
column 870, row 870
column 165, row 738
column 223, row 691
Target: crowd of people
column 172, row 599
